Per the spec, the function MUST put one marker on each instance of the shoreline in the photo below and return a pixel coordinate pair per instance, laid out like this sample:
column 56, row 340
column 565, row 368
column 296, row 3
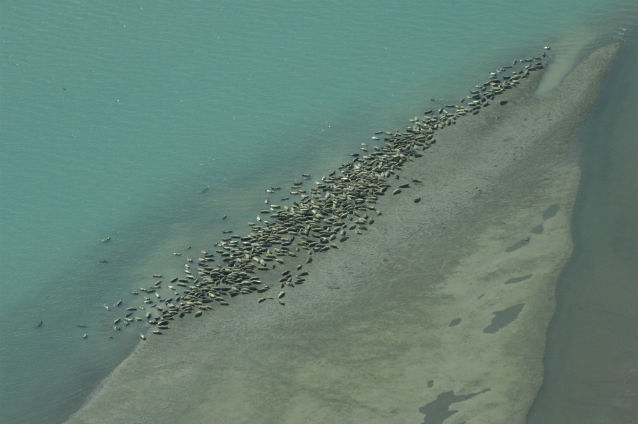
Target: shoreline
column 367, row 253
column 591, row 344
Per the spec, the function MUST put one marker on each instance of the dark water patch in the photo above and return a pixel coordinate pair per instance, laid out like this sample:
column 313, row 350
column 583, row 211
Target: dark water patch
column 538, row 229
column 503, row 318
column 591, row 349
column 518, row 245
column 514, row 280
column 431, row 383
column 551, row 211
column 455, row 322
column 438, row 410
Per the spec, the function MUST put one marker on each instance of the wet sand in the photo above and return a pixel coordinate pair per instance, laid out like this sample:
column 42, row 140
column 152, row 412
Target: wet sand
column 411, row 320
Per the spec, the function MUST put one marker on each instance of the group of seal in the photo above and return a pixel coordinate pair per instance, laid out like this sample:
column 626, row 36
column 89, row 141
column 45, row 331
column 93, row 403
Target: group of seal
column 340, row 205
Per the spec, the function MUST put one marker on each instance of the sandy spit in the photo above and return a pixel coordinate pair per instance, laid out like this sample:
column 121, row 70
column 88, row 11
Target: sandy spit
column 412, row 321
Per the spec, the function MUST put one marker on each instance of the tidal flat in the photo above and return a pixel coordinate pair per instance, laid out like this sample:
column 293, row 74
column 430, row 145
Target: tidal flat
column 367, row 337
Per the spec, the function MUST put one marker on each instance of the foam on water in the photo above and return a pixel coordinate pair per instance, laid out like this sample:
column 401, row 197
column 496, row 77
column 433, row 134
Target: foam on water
column 115, row 119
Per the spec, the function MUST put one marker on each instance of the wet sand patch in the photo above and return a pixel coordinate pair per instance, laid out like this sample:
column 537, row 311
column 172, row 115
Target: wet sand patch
column 503, row 318
column 521, row 243
column 439, row 410
column 551, row 211
column 538, row 229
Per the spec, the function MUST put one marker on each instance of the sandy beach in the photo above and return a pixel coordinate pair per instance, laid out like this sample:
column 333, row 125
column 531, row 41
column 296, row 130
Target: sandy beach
column 438, row 313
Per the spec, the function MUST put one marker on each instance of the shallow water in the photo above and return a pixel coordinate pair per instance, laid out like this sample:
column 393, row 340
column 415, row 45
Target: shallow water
column 590, row 361
column 149, row 123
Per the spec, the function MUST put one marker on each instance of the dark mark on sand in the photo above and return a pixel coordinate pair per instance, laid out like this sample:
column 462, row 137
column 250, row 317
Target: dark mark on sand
column 518, row 245
column 519, row 279
column 538, row 229
column 551, row 211
column 455, row 322
column 438, row 410
column 503, row 318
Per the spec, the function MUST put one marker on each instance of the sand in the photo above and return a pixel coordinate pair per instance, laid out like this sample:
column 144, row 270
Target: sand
column 412, row 321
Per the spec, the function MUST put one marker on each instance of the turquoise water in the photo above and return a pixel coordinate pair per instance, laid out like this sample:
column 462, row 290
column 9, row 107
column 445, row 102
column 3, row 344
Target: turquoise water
column 149, row 121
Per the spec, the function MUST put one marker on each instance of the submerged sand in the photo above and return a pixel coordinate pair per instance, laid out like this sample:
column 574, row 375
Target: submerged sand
column 438, row 313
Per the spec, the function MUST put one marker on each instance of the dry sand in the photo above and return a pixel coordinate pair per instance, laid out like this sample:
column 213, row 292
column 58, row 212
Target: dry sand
column 411, row 320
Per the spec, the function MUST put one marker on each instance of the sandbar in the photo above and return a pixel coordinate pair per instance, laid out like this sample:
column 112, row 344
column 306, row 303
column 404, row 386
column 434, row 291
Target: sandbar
column 368, row 337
